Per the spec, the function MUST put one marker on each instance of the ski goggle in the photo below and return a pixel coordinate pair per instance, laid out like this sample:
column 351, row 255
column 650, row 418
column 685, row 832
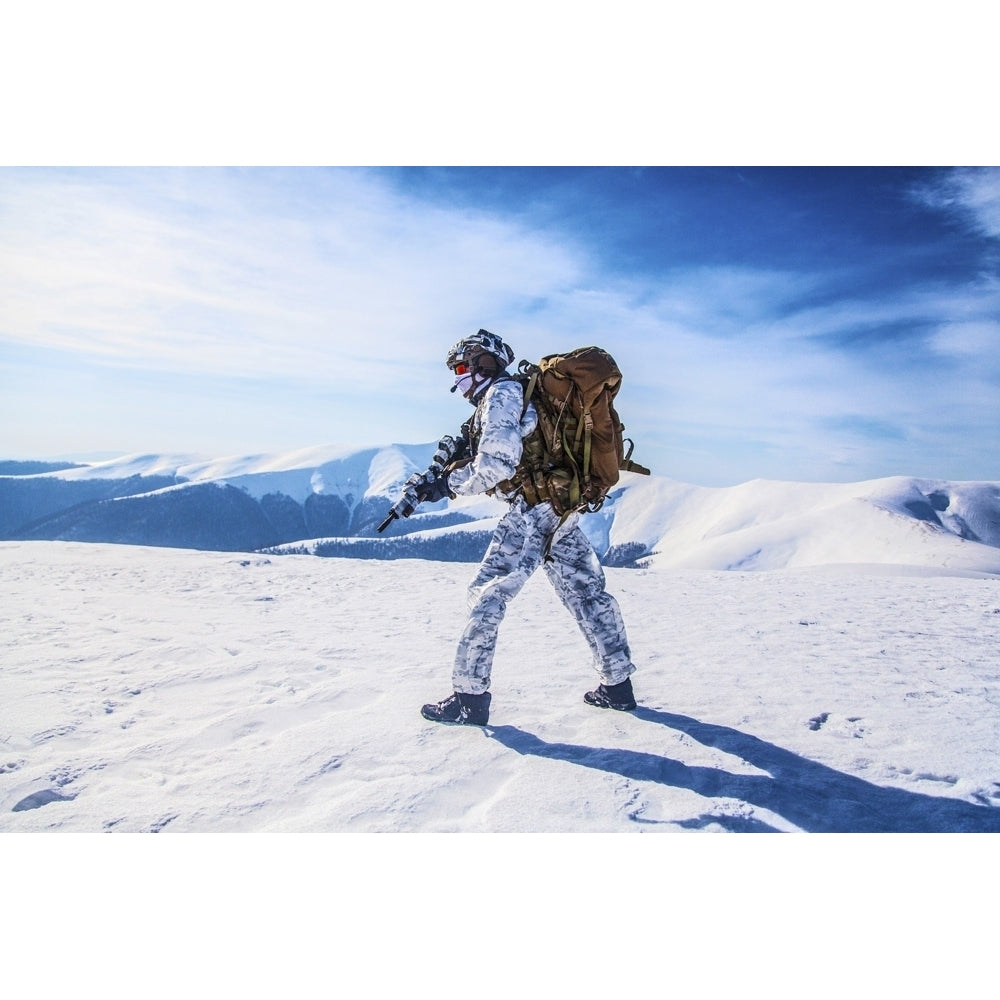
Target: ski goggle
column 462, row 368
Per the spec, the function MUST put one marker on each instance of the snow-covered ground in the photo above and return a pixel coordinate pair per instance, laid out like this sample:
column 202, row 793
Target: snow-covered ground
column 182, row 691
column 158, row 689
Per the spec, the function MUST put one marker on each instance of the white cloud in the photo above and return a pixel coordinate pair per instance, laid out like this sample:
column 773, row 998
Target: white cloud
column 973, row 193
column 978, row 340
column 239, row 273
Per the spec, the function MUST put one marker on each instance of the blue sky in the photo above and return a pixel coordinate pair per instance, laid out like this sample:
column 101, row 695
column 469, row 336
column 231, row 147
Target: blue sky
column 812, row 324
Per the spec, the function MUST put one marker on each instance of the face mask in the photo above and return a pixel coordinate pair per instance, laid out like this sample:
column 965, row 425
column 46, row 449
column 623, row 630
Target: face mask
column 463, row 383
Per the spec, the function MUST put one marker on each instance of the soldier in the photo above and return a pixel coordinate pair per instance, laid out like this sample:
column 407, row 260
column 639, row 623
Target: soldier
column 526, row 537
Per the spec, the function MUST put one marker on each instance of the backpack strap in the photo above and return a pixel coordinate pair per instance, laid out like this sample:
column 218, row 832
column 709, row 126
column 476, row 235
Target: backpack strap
column 585, row 430
column 529, row 391
column 627, row 465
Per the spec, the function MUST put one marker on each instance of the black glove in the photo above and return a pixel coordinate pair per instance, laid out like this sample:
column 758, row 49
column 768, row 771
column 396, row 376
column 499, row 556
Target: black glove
column 436, row 489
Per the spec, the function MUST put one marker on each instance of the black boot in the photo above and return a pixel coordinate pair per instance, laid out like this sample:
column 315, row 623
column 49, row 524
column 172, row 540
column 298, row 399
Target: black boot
column 617, row 696
column 460, row 709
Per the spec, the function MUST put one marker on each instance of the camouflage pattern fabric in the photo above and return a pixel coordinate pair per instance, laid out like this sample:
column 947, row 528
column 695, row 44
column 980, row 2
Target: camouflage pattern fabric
column 516, row 551
column 500, row 428
column 518, row 548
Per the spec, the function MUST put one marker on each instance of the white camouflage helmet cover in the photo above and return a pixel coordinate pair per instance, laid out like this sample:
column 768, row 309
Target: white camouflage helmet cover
column 483, row 341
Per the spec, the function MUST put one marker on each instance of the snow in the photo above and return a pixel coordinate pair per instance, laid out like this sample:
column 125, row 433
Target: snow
column 192, row 692
column 759, row 525
column 323, row 468
column 156, row 689
column 767, row 525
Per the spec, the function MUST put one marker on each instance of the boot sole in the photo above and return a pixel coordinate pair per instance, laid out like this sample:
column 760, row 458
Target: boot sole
column 601, row 703
column 451, row 722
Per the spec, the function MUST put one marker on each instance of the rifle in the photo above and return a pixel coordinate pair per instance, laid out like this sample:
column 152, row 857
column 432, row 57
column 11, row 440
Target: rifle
column 413, row 494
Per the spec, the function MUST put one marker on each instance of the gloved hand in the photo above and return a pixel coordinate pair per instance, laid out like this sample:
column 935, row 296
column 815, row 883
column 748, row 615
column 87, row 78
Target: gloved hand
column 435, row 489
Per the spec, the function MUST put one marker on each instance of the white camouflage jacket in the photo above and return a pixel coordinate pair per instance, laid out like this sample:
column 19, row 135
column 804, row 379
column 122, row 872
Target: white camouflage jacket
column 500, row 429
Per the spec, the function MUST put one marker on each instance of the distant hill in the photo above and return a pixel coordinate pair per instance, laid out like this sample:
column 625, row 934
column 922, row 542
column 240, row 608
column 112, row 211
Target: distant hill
column 15, row 468
column 328, row 501
column 242, row 503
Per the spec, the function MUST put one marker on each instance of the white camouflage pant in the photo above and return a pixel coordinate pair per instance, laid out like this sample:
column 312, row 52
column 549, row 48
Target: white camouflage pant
column 515, row 552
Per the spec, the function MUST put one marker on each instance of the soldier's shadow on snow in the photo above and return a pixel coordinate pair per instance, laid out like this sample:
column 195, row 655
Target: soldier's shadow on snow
column 812, row 796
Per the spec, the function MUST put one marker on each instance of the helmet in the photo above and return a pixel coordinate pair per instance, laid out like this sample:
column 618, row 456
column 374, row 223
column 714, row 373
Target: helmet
column 483, row 342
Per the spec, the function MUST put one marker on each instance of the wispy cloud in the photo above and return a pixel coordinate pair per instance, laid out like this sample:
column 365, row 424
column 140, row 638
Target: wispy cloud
column 252, row 273
column 322, row 301
column 971, row 194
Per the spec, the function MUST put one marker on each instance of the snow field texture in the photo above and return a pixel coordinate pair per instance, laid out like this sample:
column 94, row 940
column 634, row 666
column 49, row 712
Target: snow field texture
column 180, row 691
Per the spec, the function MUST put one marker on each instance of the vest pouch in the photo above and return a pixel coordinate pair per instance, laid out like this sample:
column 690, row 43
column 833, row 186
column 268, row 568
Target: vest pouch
column 563, row 489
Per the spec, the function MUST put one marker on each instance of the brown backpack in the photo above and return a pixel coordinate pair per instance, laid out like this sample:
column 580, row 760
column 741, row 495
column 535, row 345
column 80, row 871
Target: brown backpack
column 572, row 459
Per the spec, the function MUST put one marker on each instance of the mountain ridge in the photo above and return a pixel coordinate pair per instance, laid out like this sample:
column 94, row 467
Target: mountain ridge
column 328, row 500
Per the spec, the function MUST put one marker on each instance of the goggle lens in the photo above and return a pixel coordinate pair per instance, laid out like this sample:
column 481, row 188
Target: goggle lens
column 462, row 369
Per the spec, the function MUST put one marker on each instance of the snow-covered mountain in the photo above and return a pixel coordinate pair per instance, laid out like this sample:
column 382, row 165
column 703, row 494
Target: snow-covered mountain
column 227, row 504
column 328, row 500
column 764, row 525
